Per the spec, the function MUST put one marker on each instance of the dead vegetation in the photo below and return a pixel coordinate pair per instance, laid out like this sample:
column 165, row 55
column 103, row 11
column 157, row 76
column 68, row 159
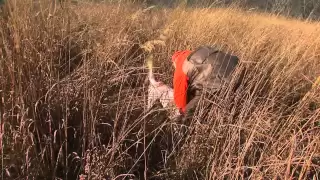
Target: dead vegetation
column 73, row 95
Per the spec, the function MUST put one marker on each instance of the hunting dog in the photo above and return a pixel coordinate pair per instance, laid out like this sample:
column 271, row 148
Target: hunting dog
column 157, row 90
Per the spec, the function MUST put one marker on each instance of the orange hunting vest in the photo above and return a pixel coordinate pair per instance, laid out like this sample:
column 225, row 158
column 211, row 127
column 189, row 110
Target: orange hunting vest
column 180, row 80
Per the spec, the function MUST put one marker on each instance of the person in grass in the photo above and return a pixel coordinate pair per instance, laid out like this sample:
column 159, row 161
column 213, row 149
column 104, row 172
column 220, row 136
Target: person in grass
column 204, row 68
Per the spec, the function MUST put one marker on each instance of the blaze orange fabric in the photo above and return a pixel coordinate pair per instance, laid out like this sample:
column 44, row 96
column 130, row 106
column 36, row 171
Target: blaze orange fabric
column 180, row 80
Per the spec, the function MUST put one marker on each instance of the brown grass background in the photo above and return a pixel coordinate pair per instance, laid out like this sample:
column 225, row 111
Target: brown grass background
column 73, row 94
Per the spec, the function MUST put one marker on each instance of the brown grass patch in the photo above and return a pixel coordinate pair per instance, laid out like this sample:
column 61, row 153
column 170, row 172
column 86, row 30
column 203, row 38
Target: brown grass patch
column 73, row 94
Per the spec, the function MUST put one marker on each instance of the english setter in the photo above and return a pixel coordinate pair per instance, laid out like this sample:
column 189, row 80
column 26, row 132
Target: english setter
column 157, row 90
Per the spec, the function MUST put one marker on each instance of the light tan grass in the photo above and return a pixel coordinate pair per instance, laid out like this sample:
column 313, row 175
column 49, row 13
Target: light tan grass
column 77, row 73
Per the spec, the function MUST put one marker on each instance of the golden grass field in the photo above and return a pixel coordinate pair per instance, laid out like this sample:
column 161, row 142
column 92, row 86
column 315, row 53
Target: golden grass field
column 73, row 94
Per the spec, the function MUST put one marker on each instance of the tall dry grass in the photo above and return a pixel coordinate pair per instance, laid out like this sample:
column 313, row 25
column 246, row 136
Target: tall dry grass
column 73, row 94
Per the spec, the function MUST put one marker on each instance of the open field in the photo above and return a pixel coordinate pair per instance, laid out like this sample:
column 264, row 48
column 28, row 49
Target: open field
column 73, row 94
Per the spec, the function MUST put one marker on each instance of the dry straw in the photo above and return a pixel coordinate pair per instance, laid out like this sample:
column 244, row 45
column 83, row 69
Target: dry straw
column 75, row 82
